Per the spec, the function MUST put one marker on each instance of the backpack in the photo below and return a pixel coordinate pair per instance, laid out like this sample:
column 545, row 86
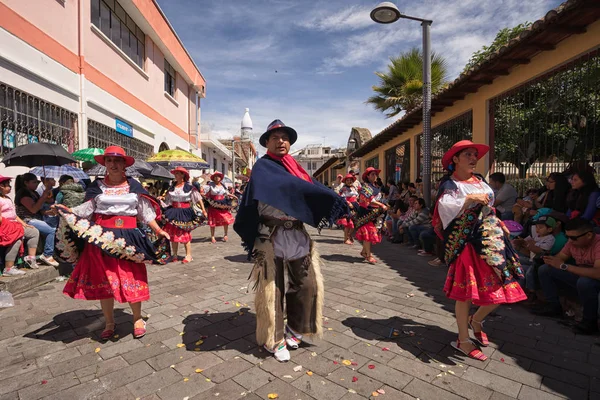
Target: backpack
column 73, row 194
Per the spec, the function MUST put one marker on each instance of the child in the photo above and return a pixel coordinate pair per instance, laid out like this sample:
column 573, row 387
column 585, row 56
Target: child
column 540, row 241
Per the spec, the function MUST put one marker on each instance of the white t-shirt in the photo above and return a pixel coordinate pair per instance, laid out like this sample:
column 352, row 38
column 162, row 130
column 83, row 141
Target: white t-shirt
column 543, row 242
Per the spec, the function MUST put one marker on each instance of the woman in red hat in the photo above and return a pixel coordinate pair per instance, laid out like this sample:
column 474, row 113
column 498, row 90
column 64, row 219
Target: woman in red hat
column 185, row 212
column 350, row 194
column 483, row 264
column 219, row 205
column 111, row 265
column 370, row 208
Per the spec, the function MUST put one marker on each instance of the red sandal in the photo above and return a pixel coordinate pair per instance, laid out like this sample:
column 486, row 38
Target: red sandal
column 475, row 354
column 108, row 333
column 139, row 332
column 480, row 337
column 372, row 260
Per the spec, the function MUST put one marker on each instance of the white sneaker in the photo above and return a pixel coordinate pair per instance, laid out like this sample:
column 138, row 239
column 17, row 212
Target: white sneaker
column 31, row 262
column 281, row 353
column 48, row 260
column 292, row 338
column 13, row 272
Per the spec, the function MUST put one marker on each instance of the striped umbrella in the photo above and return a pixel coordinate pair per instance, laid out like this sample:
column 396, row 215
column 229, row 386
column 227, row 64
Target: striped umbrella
column 52, row 171
column 87, row 154
column 178, row 158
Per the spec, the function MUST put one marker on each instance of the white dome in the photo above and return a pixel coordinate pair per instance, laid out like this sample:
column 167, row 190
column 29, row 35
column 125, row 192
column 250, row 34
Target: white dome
column 246, row 121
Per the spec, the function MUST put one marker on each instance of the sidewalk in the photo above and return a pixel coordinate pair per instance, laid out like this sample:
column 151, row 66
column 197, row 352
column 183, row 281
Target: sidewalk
column 200, row 343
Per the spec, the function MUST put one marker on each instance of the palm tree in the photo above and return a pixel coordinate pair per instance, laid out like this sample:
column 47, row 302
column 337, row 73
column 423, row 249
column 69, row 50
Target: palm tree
column 401, row 88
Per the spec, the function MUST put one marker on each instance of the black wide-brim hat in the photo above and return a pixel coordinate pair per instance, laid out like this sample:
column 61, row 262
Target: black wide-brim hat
column 277, row 125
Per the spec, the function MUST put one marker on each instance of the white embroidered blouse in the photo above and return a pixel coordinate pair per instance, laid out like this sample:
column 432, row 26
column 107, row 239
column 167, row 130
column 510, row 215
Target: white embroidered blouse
column 179, row 196
column 116, row 200
column 450, row 204
column 212, row 190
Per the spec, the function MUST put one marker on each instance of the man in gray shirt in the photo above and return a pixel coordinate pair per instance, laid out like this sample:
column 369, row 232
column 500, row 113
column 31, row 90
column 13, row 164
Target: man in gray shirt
column 505, row 194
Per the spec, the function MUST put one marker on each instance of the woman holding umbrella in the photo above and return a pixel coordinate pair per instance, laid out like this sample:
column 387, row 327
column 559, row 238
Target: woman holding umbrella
column 219, row 202
column 111, row 265
column 180, row 214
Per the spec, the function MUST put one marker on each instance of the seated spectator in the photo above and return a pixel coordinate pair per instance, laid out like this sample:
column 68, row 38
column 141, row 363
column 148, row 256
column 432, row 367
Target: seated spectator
column 557, row 190
column 29, row 206
column 427, row 238
column 394, row 213
column 584, row 274
column 527, row 206
column 70, row 194
column 582, row 199
column 505, row 195
column 394, row 193
column 404, row 193
column 12, row 232
column 416, row 224
column 542, row 243
column 419, row 186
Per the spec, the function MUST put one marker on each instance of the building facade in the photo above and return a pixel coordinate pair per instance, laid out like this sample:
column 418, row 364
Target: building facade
column 94, row 73
column 313, row 156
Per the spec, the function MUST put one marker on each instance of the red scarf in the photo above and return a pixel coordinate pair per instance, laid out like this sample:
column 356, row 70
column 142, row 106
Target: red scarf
column 292, row 166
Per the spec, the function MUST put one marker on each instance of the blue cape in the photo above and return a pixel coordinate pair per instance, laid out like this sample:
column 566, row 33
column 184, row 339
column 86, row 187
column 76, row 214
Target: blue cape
column 270, row 183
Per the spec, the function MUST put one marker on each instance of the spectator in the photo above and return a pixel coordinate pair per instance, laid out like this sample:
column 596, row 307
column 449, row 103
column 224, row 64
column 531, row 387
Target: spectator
column 419, row 186
column 338, row 183
column 195, row 183
column 404, row 192
column 379, row 183
column 584, row 275
column 582, row 199
column 399, row 208
column 505, row 195
column 394, row 193
column 555, row 197
column 28, row 207
column 70, row 194
column 420, row 222
column 530, row 247
column 45, row 183
column 526, row 207
column 12, row 232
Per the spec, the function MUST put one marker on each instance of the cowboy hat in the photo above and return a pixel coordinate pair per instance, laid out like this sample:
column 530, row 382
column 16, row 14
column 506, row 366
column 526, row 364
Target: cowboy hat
column 368, row 171
column 114, row 151
column 482, row 150
column 277, row 125
column 185, row 172
column 215, row 174
column 350, row 176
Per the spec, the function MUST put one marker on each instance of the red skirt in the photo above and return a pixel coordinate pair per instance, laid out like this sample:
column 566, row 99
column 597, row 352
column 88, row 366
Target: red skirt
column 369, row 233
column 98, row 276
column 217, row 217
column 346, row 223
column 177, row 235
column 471, row 278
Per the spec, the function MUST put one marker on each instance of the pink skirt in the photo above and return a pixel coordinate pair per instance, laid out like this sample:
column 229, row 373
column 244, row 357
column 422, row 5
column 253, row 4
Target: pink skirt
column 471, row 278
column 98, row 276
column 217, row 217
column 177, row 235
column 369, row 233
column 346, row 223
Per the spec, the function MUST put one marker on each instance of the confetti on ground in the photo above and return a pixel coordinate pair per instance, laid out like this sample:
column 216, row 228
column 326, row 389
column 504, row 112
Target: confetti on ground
column 502, row 359
column 298, row 368
column 226, row 302
column 116, row 336
column 309, row 373
column 238, row 304
column 354, row 363
column 347, row 362
column 97, row 350
column 451, row 372
column 172, row 366
column 375, row 394
column 314, row 354
column 329, row 329
column 357, row 311
column 198, row 370
column 335, row 363
column 352, row 391
column 273, row 396
column 44, row 382
column 199, row 342
column 439, row 375
column 386, row 349
column 181, row 333
column 380, row 391
column 186, row 379
column 395, row 333
column 196, row 348
column 207, row 380
column 371, row 366
column 410, row 295
column 354, row 379
column 442, row 366
column 288, row 377
column 180, row 345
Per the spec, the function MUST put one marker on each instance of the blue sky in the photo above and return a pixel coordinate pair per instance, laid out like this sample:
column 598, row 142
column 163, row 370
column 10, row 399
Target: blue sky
column 311, row 63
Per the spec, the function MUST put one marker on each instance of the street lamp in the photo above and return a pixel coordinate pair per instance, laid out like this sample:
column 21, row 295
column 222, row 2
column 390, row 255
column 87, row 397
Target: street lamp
column 387, row 13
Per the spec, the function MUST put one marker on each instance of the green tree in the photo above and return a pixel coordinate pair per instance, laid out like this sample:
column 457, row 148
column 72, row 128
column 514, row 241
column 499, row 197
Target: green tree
column 401, row 87
column 502, row 38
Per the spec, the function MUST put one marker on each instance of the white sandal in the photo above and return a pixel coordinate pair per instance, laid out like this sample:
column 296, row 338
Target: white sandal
column 280, row 352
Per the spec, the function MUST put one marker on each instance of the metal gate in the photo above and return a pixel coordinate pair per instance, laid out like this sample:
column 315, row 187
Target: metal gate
column 27, row 119
column 397, row 162
column 548, row 124
column 102, row 136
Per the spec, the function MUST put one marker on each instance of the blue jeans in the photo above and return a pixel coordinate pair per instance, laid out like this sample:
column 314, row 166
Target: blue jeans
column 588, row 289
column 414, row 231
column 427, row 238
column 47, row 231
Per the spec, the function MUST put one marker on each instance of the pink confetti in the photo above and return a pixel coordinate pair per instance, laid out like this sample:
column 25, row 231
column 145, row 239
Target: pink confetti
column 44, row 382
column 354, row 379
column 226, row 302
column 354, row 363
column 502, row 359
column 336, row 363
column 386, row 349
column 371, row 366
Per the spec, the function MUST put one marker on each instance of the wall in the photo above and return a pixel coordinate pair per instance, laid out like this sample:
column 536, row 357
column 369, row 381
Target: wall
column 565, row 51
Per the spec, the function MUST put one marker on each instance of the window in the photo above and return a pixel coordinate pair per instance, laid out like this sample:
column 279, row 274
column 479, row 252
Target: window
column 214, row 164
column 169, row 79
column 204, row 156
column 373, row 162
column 223, row 168
column 314, row 166
column 113, row 21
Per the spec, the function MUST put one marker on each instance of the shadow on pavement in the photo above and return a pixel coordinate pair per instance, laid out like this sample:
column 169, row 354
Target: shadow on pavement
column 342, row 257
column 71, row 326
column 243, row 258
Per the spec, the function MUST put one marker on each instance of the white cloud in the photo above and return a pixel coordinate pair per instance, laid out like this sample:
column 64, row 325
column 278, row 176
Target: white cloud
column 349, row 19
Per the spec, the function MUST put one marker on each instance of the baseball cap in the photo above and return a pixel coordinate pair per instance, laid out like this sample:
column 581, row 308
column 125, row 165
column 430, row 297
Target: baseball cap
column 546, row 220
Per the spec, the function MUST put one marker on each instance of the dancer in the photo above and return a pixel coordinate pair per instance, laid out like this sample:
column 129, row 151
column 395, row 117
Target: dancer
column 370, row 208
column 111, row 265
column 182, row 214
column 350, row 194
column 219, row 205
column 483, row 264
column 280, row 198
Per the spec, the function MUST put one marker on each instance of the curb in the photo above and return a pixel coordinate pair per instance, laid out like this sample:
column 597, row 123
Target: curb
column 32, row 279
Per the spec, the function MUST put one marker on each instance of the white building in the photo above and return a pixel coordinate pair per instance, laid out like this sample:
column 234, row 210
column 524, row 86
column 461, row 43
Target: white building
column 313, row 156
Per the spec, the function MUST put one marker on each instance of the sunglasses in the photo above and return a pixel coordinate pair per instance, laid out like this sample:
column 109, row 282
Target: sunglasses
column 578, row 236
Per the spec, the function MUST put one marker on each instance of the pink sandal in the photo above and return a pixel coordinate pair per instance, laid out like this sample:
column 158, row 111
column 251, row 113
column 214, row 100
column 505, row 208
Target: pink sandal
column 371, row 260
column 139, row 332
column 108, row 333
column 475, row 354
column 480, row 337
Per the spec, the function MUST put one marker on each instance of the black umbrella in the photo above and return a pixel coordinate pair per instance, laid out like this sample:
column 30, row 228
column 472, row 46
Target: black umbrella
column 142, row 167
column 37, row 154
column 160, row 172
column 100, row 170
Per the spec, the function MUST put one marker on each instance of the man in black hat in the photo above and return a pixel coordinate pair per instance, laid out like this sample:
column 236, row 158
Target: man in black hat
column 280, row 198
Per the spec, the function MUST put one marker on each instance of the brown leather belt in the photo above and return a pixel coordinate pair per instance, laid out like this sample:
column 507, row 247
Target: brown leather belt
column 285, row 223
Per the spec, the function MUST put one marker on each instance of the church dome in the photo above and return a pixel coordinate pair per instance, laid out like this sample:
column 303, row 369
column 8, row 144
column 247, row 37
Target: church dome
column 246, row 121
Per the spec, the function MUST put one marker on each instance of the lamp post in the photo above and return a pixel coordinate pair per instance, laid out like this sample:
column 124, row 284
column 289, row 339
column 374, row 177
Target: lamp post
column 387, row 13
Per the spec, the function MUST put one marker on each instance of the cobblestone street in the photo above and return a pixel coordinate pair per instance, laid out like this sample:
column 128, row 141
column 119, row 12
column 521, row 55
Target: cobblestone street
column 200, row 342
